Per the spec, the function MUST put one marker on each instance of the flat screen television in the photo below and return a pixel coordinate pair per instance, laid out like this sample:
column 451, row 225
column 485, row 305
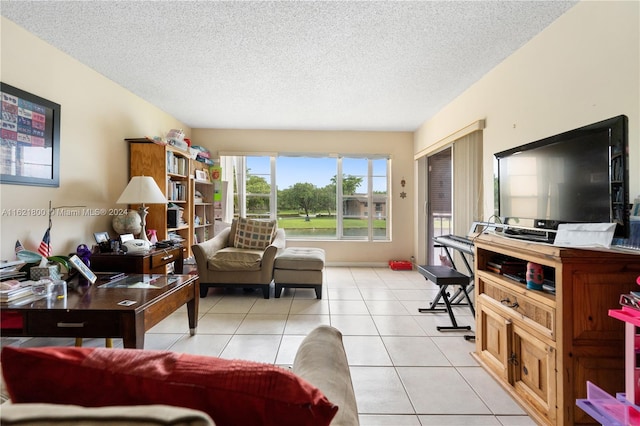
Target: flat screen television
column 579, row 176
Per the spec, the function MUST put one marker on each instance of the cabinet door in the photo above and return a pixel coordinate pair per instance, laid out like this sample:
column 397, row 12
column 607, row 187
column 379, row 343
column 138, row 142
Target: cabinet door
column 534, row 364
column 493, row 340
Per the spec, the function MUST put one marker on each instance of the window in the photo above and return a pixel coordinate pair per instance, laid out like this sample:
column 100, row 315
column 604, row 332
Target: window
column 304, row 193
column 258, row 187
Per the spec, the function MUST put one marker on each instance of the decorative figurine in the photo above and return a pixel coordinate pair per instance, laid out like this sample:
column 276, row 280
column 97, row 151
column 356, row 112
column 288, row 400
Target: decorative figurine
column 535, row 276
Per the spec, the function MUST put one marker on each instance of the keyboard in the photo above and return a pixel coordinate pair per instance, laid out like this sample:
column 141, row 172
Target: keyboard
column 463, row 244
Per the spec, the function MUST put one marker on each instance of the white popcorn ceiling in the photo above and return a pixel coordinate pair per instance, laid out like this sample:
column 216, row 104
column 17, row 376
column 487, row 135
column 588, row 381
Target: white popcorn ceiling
column 311, row 65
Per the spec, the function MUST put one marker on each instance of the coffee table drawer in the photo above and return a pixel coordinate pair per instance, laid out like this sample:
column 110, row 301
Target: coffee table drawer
column 72, row 323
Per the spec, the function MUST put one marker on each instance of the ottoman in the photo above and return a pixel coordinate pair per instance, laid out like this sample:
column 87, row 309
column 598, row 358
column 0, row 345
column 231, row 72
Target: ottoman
column 299, row 267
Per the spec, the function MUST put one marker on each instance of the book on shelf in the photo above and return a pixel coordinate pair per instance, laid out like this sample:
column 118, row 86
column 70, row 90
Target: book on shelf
column 493, row 268
column 512, row 267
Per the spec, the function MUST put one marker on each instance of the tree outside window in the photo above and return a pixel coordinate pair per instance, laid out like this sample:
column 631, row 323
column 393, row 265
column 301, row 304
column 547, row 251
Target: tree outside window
column 307, row 195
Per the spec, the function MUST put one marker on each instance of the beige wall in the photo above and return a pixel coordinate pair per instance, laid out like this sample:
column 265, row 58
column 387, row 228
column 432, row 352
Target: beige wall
column 583, row 68
column 97, row 115
column 397, row 144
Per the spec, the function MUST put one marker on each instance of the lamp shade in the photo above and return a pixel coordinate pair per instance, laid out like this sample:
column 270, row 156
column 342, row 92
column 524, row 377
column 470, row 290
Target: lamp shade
column 142, row 190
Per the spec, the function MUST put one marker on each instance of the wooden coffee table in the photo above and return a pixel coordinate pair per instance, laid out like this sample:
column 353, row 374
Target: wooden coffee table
column 99, row 312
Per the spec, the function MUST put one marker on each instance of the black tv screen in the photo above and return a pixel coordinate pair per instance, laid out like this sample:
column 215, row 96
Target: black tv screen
column 580, row 176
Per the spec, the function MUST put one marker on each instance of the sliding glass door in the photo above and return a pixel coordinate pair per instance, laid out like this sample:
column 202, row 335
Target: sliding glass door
column 439, row 201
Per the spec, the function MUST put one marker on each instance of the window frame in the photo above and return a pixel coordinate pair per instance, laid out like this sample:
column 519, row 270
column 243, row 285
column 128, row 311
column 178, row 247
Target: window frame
column 370, row 198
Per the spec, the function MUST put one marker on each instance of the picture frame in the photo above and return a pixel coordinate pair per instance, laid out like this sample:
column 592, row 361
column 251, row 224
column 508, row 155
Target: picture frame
column 101, row 237
column 30, row 139
column 77, row 263
column 202, row 175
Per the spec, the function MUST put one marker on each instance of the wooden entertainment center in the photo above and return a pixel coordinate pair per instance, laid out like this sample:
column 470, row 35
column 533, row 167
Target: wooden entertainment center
column 543, row 347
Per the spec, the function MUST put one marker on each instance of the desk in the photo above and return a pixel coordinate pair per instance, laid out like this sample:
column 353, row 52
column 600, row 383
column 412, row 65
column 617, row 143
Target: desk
column 154, row 262
column 95, row 311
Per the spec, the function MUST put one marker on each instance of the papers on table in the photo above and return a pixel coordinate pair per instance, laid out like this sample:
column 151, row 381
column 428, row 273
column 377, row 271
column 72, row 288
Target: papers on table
column 585, row 234
column 9, row 270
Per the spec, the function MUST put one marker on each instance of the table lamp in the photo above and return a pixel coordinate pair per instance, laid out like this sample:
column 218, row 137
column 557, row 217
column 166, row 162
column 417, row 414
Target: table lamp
column 142, row 190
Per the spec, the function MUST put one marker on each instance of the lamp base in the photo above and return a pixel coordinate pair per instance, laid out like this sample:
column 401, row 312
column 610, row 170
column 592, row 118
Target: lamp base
column 143, row 211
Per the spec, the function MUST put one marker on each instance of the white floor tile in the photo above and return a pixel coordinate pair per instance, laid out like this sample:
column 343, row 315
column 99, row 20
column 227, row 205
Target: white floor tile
column 430, row 321
column 347, row 307
column 288, row 348
column 253, row 347
column 379, row 391
column 303, row 324
column 309, row 306
column 388, row 420
column 366, row 350
column 456, row 349
column 377, row 294
column 344, row 294
column 417, row 294
column 397, row 325
column 371, row 284
column 201, row 344
column 414, row 351
column 262, row 324
column 303, row 293
column 386, row 307
column 362, row 325
column 177, row 322
column 516, row 421
column 493, row 395
column 232, row 304
column 160, row 342
column 454, row 420
column 219, row 323
column 271, row 306
column 440, row 390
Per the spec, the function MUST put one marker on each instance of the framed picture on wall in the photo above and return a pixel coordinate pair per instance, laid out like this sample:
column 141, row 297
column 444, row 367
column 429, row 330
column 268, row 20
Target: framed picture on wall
column 30, row 139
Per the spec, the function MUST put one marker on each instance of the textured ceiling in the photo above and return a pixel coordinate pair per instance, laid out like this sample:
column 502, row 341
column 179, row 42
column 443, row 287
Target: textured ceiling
column 290, row 64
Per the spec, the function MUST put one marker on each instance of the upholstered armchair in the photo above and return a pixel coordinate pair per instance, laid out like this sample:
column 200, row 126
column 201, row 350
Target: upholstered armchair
column 240, row 256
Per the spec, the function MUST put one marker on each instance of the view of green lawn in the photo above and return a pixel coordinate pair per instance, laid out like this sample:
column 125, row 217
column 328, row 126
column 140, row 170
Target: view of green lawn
column 325, row 222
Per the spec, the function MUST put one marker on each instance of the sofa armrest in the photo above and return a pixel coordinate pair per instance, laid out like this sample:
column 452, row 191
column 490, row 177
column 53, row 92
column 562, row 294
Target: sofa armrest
column 321, row 360
column 277, row 245
column 204, row 250
column 148, row 415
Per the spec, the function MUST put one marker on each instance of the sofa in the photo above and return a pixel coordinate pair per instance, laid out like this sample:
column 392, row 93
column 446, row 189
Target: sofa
column 320, row 365
column 241, row 256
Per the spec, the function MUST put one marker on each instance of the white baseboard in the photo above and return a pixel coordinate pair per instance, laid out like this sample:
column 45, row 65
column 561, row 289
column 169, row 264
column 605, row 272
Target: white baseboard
column 358, row 264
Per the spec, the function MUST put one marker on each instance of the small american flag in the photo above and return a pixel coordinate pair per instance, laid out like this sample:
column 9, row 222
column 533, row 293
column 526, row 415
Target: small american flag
column 45, row 245
column 19, row 246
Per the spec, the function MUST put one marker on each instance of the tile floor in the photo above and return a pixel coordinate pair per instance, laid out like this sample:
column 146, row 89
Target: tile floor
column 404, row 371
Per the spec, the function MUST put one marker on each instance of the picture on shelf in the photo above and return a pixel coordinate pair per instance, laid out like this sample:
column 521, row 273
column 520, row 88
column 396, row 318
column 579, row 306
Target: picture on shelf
column 84, row 270
column 202, row 175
